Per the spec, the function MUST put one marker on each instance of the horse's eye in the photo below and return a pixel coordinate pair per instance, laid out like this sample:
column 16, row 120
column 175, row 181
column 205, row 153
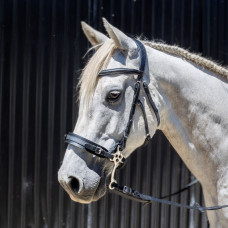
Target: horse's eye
column 113, row 96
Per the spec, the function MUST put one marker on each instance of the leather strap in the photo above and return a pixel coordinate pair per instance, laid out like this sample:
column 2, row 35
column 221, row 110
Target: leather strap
column 132, row 194
column 145, row 121
column 83, row 143
column 143, row 56
column 189, row 185
column 136, row 93
column 118, row 71
column 131, row 115
column 145, row 86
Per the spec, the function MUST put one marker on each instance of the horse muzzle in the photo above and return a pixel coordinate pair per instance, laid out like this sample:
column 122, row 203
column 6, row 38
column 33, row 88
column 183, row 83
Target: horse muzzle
column 79, row 181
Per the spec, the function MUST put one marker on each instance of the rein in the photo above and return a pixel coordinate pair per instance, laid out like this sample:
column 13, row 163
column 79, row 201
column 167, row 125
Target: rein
column 114, row 154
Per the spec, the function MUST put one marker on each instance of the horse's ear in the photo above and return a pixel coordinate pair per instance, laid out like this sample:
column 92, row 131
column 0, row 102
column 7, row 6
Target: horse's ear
column 94, row 37
column 121, row 40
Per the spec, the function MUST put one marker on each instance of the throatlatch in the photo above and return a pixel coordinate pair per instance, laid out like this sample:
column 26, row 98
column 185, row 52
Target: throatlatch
column 114, row 154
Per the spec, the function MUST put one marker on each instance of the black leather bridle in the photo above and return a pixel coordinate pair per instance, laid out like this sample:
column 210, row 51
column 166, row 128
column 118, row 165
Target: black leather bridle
column 114, row 154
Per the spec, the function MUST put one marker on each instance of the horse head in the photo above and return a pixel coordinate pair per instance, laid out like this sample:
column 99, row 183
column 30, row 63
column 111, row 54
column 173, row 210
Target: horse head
column 105, row 107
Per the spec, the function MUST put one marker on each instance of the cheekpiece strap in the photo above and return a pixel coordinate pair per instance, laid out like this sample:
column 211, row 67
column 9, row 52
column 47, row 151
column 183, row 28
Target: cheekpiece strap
column 146, row 89
column 145, row 122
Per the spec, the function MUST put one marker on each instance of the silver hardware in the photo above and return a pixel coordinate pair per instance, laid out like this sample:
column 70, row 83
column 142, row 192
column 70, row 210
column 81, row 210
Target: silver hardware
column 117, row 159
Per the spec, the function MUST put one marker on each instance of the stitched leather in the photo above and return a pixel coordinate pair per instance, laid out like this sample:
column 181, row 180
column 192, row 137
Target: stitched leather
column 151, row 102
column 132, row 194
column 83, row 143
column 118, row 71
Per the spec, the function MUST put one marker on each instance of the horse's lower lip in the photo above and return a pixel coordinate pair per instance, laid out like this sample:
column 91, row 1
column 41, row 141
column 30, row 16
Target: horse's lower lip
column 81, row 199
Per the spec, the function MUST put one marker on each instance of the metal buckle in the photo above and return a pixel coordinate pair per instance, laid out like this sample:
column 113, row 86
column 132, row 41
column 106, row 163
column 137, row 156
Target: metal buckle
column 127, row 190
column 148, row 137
column 125, row 135
column 98, row 150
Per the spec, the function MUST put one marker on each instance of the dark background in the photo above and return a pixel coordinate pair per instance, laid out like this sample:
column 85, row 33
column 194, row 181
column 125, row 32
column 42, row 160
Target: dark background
column 41, row 49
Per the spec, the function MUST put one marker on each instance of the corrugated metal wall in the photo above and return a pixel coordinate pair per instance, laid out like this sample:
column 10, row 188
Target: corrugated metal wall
column 41, row 49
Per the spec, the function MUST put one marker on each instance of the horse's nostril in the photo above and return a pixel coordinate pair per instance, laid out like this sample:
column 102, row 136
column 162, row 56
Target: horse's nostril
column 75, row 185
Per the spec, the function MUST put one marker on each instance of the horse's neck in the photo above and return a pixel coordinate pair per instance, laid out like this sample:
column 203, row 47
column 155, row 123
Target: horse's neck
column 193, row 108
column 193, row 116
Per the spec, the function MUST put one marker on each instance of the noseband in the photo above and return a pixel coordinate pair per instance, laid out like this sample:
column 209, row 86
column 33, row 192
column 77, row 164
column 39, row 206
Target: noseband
column 114, row 154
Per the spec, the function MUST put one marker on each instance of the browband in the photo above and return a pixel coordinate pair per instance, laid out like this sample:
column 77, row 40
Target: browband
column 118, row 71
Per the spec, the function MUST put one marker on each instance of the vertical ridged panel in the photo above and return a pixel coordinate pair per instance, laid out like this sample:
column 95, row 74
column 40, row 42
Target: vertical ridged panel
column 25, row 117
column 12, row 115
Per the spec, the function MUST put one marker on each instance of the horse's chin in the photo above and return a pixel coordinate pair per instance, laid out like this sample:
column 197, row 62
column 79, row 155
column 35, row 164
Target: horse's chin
column 99, row 193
